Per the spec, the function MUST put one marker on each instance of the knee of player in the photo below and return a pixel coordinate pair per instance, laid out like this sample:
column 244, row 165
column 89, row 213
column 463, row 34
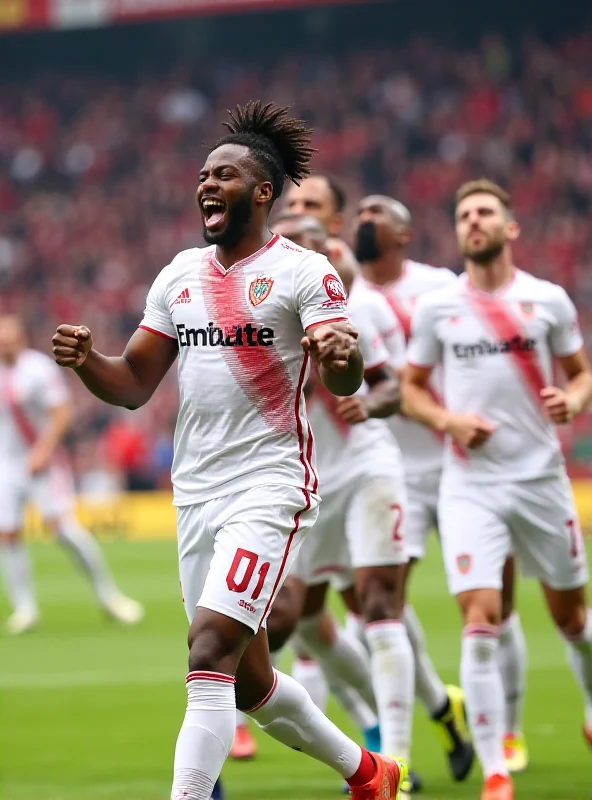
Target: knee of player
column 281, row 624
column 380, row 603
column 571, row 621
column 481, row 607
column 212, row 649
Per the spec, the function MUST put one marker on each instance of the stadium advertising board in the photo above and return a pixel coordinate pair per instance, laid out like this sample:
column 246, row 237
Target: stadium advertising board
column 144, row 516
column 18, row 15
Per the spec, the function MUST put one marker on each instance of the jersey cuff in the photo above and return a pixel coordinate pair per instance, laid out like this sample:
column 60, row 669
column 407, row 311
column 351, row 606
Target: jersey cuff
column 158, row 333
column 421, row 366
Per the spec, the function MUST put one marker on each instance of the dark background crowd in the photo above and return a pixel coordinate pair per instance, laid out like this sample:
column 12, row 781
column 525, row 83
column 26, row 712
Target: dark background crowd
column 98, row 171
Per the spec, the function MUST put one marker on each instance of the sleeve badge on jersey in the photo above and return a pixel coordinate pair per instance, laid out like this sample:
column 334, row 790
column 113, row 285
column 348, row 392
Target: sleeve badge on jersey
column 527, row 309
column 335, row 292
column 259, row 290
column 463, row 563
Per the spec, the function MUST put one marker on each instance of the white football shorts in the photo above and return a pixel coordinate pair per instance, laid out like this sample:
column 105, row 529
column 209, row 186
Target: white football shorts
column 480, row 526
column 235, row 551
column 359, row 527
column 422, row 511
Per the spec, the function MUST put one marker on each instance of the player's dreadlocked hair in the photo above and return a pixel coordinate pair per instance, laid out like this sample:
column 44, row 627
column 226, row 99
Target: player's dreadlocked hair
column 279, row 144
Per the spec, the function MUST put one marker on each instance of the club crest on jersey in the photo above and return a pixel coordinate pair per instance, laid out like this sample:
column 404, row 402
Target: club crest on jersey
column 259, row 290
column 527, row 309
column 463, row 563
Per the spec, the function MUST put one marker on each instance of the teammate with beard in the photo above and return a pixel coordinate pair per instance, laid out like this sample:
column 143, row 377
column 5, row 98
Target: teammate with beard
column 496, row 331
column 383, row 234
column 244, row 478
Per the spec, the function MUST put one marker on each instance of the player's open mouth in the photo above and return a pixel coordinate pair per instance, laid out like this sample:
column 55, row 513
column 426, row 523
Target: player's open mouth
column 214, row 211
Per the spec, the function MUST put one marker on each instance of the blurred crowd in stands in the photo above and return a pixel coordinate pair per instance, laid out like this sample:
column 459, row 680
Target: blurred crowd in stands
column 97, row 178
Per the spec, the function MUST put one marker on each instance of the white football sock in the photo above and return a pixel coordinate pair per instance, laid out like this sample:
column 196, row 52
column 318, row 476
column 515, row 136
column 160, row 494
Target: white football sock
column 513, row 663
column 311, row 677
column 482, row 683
column 355, row 626
column 241, row 719
column 16, row 572
column 344, row 661
column 206, row 735
column 289, row 715
column 580, row 661
column 392, row 664
column 86, row 549
column 428, row 685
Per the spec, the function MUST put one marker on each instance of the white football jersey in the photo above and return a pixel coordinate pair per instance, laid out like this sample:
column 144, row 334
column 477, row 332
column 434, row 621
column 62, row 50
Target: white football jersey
column 348, row 454
column 497, row 354
column 422, row 448
column 29, row 389
column 242, row 416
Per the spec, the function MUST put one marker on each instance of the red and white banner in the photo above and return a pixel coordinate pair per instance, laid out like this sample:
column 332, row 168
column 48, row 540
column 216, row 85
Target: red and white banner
column 18, row 15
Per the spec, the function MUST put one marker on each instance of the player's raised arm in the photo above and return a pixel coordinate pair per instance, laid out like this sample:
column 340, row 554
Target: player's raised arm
column 128, row 380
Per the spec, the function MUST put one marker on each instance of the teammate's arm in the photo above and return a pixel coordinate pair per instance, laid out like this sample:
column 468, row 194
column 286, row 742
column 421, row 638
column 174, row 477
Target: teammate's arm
column 566, row 343
column 128, row 380
column 383, row 399
column 562, row 405
column 50, row 437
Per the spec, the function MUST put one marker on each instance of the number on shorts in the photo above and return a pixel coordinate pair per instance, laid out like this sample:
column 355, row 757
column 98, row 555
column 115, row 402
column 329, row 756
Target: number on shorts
column 574, row 537
column 252, row 559
column 396, row 507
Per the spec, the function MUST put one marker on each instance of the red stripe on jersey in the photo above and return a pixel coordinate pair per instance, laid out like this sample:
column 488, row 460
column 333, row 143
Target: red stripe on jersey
column 400, row 313
column 305, row 457
column 293, row 533
column 501, row 322
column 219, row 677
column 259, row 371
column 158, row 333
column 20, row 419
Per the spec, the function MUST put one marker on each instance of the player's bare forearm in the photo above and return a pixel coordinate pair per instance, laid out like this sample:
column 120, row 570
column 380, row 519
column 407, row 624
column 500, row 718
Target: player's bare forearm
column 579, row 392
column 51, row 437
column 419, row 404
column 113, row 380
column 384, row 398
column 347, row 381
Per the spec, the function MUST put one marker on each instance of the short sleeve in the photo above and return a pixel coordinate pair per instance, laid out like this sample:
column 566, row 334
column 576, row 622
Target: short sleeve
column 425, row 349
column 157, row 317
column 565, row 339
column 52, row 388
column 318, row 292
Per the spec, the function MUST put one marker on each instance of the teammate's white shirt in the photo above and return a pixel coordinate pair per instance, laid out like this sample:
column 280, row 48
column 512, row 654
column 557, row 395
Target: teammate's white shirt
column 348, row 454
column 497, row 353
column 29, row 389
column 422, row 448
column 242, row 417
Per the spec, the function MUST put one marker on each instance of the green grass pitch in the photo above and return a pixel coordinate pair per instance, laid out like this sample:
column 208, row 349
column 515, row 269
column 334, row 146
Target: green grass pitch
column 90, row 711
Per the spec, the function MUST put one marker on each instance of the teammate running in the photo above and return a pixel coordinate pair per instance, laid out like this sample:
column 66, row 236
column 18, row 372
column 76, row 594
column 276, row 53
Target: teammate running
column 243, row 473
column 360, row 524
column 496, row 330
column 34, row 418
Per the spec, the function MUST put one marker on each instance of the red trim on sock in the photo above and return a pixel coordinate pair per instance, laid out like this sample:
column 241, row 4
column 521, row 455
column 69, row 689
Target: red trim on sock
column 381, row 622
column 492, row 631
column 220, row 677
column 267, row 696
column 365, row 772
column 306, row 660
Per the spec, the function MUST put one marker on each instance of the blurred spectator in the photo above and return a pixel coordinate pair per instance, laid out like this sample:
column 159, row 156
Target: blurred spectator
column 97, row 178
